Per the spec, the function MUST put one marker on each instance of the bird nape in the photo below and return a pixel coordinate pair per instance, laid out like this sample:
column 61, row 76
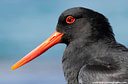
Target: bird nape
column 92, row 54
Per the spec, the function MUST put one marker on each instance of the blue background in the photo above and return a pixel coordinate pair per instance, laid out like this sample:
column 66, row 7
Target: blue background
column 24, row 24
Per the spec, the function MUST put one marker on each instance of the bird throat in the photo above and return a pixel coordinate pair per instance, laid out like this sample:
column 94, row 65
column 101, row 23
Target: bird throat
column 73, row 61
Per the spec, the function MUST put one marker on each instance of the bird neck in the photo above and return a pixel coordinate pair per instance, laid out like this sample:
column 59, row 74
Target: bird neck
column 76, row 55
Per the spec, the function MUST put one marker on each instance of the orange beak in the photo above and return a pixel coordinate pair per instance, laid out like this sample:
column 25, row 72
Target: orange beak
column 51, row 41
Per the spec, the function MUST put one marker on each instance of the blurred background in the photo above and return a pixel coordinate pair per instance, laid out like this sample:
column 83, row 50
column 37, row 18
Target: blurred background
column 24, row 24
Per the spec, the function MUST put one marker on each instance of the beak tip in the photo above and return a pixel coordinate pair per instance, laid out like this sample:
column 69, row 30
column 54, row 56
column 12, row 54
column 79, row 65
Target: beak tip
column 13, row 68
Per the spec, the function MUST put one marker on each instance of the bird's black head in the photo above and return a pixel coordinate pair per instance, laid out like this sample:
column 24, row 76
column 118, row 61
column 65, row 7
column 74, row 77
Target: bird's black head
column 83, row 23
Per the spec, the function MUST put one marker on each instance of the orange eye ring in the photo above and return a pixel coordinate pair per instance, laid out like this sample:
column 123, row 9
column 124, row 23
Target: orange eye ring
column 70, row 20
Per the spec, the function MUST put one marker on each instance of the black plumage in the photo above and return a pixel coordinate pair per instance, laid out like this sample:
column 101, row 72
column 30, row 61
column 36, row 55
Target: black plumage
column 92, row 53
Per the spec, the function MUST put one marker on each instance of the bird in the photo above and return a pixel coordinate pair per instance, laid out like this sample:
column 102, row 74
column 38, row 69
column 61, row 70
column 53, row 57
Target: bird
column 92, row 54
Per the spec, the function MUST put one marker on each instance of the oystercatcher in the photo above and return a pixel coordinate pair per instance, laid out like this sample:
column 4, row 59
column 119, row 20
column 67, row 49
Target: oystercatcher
column 92, row 55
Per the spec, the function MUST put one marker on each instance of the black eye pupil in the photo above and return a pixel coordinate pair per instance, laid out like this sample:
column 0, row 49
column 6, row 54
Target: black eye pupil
column 69, row 19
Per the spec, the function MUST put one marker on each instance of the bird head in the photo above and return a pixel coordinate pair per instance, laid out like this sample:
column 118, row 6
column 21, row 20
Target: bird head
column 83, row 23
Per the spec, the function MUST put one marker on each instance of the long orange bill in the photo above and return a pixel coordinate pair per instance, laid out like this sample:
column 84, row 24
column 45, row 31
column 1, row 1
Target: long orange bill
column 51, row 41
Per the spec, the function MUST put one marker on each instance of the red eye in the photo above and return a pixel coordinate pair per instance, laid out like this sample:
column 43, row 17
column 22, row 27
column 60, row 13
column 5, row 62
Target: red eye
column 70, row 20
